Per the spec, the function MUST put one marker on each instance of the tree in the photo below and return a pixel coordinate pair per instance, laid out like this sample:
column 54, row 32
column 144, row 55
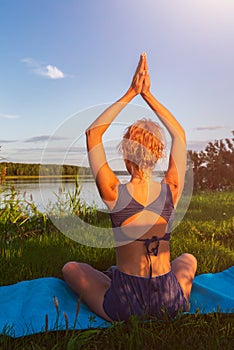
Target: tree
column 214, row 167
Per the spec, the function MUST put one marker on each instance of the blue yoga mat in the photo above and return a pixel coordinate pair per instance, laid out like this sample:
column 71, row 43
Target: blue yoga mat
column 24, row 305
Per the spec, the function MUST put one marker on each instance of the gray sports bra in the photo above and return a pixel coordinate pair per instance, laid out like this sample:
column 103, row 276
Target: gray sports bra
column 126, row 206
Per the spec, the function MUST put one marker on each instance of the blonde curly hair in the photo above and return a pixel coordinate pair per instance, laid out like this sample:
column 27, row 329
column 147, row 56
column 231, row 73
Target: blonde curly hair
column 143, row 144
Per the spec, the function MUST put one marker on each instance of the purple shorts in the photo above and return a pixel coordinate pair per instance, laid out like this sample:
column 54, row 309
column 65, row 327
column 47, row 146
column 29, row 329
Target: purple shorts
column 146, row 297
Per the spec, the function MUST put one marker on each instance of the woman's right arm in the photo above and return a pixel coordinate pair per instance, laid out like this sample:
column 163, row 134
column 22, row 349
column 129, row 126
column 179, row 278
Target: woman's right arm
column 177, row 161
column 105, row 178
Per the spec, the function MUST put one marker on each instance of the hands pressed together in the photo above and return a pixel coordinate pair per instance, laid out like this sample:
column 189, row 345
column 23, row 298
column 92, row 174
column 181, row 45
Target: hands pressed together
column 141, row 79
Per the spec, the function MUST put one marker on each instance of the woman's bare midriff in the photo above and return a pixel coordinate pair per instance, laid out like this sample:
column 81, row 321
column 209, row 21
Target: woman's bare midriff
column 132, row 259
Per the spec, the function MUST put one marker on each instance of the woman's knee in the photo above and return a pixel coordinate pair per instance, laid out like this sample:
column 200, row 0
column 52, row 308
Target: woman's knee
column 70, row 267
column 74, row 268
column 185, row 261
column 190, row 260
column 189, row 257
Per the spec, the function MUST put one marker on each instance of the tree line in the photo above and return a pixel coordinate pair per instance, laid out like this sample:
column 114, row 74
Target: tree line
column 213, row 167
column 28, row 169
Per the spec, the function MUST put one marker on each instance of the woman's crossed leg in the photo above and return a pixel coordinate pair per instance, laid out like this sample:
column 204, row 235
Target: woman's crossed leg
column 89, row 283
column 184, row 267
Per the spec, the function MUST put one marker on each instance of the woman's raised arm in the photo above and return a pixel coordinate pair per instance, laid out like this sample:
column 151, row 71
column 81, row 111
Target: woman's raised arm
column 105, row 178
column 177, row 161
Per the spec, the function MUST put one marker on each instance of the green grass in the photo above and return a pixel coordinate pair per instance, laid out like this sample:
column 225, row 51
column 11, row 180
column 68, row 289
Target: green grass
column 210, row 332
column 207, row 231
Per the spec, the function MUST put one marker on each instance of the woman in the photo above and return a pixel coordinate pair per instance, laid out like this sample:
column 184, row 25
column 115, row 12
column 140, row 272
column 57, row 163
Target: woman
column 144, row 282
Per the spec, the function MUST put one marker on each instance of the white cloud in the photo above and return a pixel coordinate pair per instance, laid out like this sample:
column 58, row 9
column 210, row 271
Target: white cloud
column 54, row 73
column 9, row 116
column 49, row 71
column 46, row 70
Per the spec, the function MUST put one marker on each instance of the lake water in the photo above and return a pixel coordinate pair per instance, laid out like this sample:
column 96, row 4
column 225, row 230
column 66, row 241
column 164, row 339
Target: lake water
column 43, row 193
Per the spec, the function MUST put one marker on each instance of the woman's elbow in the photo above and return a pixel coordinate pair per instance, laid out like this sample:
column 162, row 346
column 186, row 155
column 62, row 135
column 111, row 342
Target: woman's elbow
column 93, row 138
column 183, row 135
column 93, row 132
column 179, row 136
column 87, row 132
column 90, row 134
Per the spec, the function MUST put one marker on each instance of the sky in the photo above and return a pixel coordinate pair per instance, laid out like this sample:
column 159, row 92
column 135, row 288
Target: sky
column 64, row 61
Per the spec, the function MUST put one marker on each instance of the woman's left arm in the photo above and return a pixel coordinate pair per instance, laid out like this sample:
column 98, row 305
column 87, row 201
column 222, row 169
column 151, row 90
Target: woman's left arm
column 105, row 178
column 177, row 161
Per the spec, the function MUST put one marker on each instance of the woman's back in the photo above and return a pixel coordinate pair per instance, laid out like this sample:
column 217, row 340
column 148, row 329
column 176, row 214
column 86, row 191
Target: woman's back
column 143, row 209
